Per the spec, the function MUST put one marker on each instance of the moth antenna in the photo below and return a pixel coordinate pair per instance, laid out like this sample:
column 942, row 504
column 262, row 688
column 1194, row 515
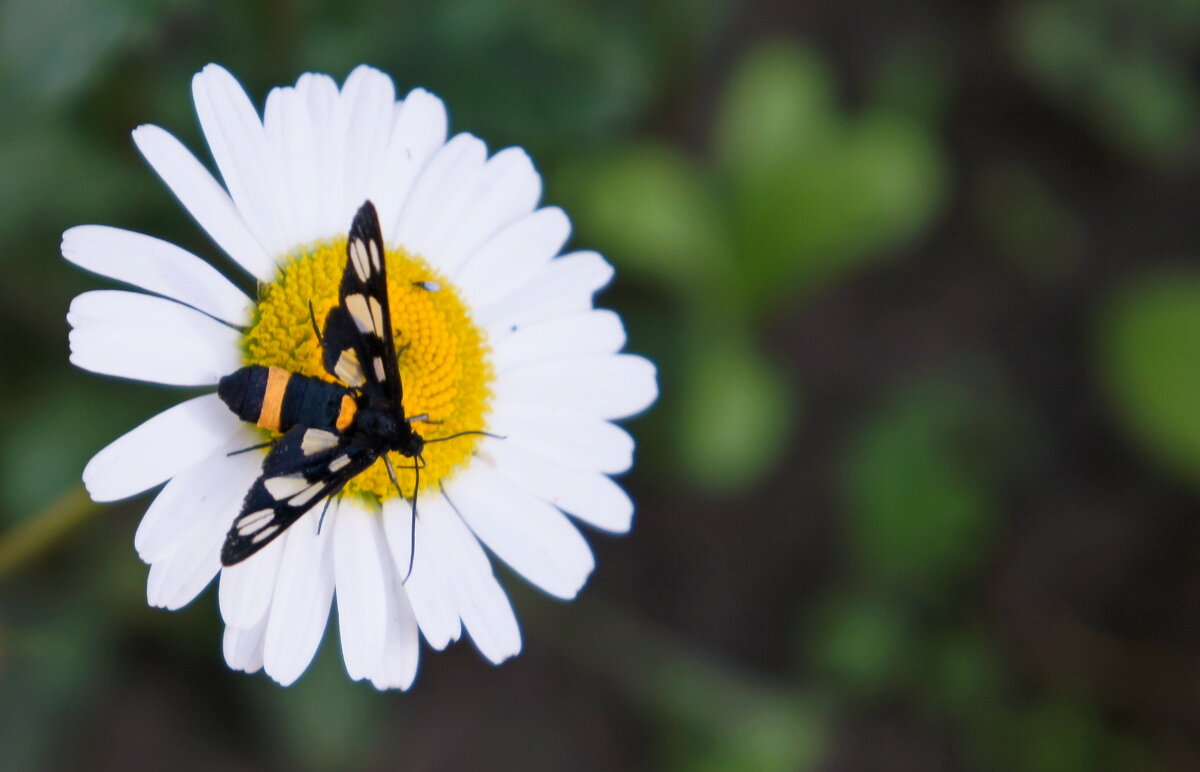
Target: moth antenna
column 321, row 522
column 463, row 434
column 259, row 446
column 412, row 523
column 312, row 315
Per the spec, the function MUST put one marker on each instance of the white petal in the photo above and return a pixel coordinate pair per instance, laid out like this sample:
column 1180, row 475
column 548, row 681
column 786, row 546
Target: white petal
column 366, row 110
column 438, row 194
column 563, row 286
column 524, row 531
column 402, row 647
column 605, row 386
column 571, row 439
column 589, row 496
column 428, row 591
column 398, row 526
column 246, row 588
column 481, row 601
column 204, row 198
column 156, row 266
column 418, row 130
column 513, row 257
column 320, row 95
column 589, row 332
column 175, row 439
column 243, row 646
column 507, row 187
column 289, row 135
column 359, row 587
column 238, row 143
column 148, row 338
column 205, row 493
column 178, row 578
column 300, row 608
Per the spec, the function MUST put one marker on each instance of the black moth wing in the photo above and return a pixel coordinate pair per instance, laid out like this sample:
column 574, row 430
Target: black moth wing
column 359, row 348
column 303, row 469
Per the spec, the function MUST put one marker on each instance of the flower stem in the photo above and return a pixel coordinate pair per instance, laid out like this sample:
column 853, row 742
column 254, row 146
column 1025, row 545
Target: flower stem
column 39, row 533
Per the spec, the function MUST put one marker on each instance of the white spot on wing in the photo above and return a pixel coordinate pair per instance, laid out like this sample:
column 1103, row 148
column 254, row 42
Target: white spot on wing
column 358, row 258
column 305, row 496
column 338, row 463
column 348, row 370
column 252, row 521
column 367, row 313
column 283, row 487
column 317, row 440
column 380, row 375
column 264, row 533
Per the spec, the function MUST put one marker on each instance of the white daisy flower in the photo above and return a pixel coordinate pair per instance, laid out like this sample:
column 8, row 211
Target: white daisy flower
column 498, row 333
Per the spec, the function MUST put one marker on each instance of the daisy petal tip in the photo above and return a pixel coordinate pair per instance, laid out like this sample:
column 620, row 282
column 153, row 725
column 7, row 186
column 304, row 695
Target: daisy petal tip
column 642, row 379
column 213, row 70
column 95, row 478
column 144, row 131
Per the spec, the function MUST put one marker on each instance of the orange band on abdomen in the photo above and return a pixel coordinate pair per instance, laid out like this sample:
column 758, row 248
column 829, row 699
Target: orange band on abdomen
column 277, row 381
column 346, row 414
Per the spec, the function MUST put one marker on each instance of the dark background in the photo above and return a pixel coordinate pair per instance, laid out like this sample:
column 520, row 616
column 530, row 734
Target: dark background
column 920, row 492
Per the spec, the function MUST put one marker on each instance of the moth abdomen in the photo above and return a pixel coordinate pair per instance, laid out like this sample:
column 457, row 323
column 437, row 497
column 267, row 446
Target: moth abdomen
column 277, row 399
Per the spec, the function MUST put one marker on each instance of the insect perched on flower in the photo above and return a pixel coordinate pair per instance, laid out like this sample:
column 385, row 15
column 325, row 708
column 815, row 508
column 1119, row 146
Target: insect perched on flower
column 436, row 379
column 332, row 431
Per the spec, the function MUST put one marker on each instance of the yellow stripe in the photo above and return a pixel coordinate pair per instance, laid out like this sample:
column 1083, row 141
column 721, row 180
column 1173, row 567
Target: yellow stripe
column 277, row 381
column 346, row 414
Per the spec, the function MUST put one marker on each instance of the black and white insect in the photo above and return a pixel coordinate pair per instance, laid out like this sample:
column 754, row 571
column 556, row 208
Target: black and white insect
column 331, row 431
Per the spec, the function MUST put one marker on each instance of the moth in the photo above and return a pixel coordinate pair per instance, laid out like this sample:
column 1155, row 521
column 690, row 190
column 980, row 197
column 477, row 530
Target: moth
column 331, row 431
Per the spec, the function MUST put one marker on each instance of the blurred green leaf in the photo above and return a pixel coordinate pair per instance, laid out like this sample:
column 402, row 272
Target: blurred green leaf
column 862, row 642
column 45, row 447
column 656, row 212
column 916, row 80
column 717, row 722
column 737, row 412
column 568, row 72
column 1149, row 105
column 965, row 676
column 778, row 107
column 814, row 196
column 1025, row 222
column 51, row 667
column 1123, row 65
column 321, row 721
column 55, row 48
column 1149, row 352
column 1055, row 735
column 897, row 178
column 919, row 485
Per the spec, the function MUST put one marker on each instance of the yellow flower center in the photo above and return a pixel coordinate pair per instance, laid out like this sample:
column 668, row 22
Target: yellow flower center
column 444, row 365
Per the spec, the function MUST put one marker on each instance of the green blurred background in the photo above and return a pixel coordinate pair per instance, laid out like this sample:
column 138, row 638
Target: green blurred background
column 923, row 284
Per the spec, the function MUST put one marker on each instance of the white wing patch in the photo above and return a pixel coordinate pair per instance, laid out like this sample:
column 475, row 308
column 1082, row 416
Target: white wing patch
column 285, row 487
column 252, row 521
column 316, row 441
column 359, row 259
column 348, row 370
column 367, row 313
column 264, row 533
